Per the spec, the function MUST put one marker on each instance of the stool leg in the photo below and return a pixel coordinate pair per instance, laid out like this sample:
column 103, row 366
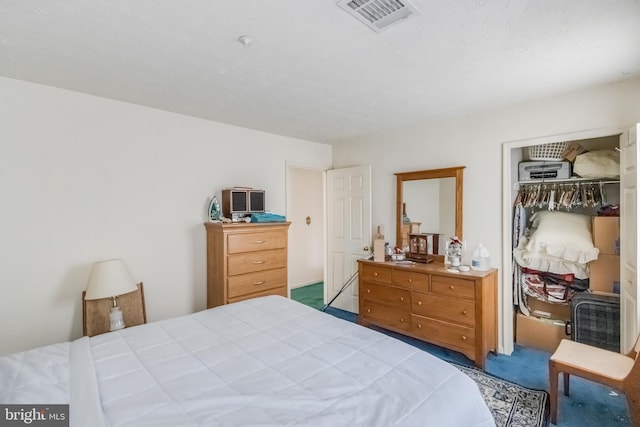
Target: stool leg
column 566, row 384
column 631, row 390
column 553, row 392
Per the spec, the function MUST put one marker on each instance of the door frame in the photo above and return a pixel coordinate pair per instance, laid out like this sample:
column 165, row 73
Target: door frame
column 506, row 336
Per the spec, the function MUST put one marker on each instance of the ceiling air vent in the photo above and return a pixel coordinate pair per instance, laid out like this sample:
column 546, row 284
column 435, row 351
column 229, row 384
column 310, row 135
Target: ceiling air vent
column 379, row 14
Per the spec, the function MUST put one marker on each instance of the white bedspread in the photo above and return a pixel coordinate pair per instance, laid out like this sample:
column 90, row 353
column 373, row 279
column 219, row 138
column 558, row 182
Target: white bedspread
column 263, row 362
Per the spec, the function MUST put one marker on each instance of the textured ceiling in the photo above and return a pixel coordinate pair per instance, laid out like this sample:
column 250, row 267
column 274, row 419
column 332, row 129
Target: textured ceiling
column 312, row 71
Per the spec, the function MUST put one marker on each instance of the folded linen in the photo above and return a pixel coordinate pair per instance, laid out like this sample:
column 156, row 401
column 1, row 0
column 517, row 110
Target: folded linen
column 267, row 217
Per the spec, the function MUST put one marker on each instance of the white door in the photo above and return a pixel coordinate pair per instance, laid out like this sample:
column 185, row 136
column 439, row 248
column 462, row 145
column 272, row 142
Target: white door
column 348, row 231
column 629, row 309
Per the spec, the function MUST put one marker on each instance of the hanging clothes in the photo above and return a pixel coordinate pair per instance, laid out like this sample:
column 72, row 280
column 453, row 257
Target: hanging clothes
column 519, row 227
column 551, row 196
column 566, row 196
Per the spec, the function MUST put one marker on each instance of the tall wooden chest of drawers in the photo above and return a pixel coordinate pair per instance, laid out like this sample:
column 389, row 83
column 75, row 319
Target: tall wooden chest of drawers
column 245, row 260
column 425, row 301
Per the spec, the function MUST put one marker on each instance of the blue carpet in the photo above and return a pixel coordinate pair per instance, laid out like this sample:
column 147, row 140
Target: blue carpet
column 590, row 404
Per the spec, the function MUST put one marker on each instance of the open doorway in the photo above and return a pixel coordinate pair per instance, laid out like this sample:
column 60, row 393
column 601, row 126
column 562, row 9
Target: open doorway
column 305, row 210
column 324, row 202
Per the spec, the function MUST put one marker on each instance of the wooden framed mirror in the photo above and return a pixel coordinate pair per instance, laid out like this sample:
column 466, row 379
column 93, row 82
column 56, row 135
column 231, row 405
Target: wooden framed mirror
column 429, row 201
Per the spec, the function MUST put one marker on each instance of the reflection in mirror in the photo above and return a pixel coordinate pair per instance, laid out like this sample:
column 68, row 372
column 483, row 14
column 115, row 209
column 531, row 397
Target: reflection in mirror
column 429, row 203
column 430, row 207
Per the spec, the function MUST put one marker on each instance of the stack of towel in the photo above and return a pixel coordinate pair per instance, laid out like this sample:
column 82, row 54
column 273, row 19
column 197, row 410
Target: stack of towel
column 267, row 217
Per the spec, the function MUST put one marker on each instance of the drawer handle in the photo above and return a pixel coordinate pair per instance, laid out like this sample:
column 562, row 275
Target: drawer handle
column 258, row 262
column 464, row 312
column 410, row 280
column 419, row 302
column 463, row 338
column 375, row 274
column 261, row 282
column 401, row 320
column 259, row 242
column 401, row 299
column 368, row 291
column 419, row 326
column 451, row 287
column 368, row 310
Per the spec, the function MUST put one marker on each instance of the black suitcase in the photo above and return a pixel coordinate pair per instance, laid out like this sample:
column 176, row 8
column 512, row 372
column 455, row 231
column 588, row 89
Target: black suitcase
column 595, row 320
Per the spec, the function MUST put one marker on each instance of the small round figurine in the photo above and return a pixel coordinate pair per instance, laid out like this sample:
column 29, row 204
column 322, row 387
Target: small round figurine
column 454, row 253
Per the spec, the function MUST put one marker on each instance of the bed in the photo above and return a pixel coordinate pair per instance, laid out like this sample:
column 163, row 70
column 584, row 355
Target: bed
column 267, row 361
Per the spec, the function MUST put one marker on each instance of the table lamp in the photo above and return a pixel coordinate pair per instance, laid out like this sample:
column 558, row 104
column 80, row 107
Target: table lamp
column 109, row 279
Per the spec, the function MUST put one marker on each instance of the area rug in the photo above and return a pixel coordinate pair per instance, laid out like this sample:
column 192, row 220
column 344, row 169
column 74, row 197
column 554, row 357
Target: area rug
column 511, row 405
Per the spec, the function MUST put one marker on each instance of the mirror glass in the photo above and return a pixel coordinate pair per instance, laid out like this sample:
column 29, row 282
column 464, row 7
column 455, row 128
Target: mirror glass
column 430, row 206
column 429, row 202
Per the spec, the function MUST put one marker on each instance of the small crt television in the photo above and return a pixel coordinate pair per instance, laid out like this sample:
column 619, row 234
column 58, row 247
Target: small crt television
column 240, row 202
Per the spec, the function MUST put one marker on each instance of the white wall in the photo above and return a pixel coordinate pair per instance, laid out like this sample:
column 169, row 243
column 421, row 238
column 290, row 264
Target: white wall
column 476, row 142
column 84, row 178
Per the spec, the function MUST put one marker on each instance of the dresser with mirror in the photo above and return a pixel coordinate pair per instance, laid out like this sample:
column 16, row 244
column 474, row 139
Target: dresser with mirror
column 428, row 301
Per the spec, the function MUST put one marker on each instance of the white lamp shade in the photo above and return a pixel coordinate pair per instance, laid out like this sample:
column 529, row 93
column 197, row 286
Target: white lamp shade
column 109, row 279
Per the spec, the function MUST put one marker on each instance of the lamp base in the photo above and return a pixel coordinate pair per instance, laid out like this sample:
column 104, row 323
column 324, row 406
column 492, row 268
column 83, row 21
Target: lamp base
column 115, row 318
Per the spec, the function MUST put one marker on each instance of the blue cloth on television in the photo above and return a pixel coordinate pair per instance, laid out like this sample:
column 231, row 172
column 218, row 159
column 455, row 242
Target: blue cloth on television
column 267, row 217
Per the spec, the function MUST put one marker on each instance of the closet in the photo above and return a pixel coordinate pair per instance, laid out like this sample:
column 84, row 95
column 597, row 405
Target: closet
column 565, row 236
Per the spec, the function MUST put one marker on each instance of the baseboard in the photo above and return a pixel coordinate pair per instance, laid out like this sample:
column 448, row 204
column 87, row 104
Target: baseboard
column 302, row 285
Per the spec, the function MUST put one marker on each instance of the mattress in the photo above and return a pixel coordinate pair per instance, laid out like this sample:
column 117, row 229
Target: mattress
column 267, row 361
